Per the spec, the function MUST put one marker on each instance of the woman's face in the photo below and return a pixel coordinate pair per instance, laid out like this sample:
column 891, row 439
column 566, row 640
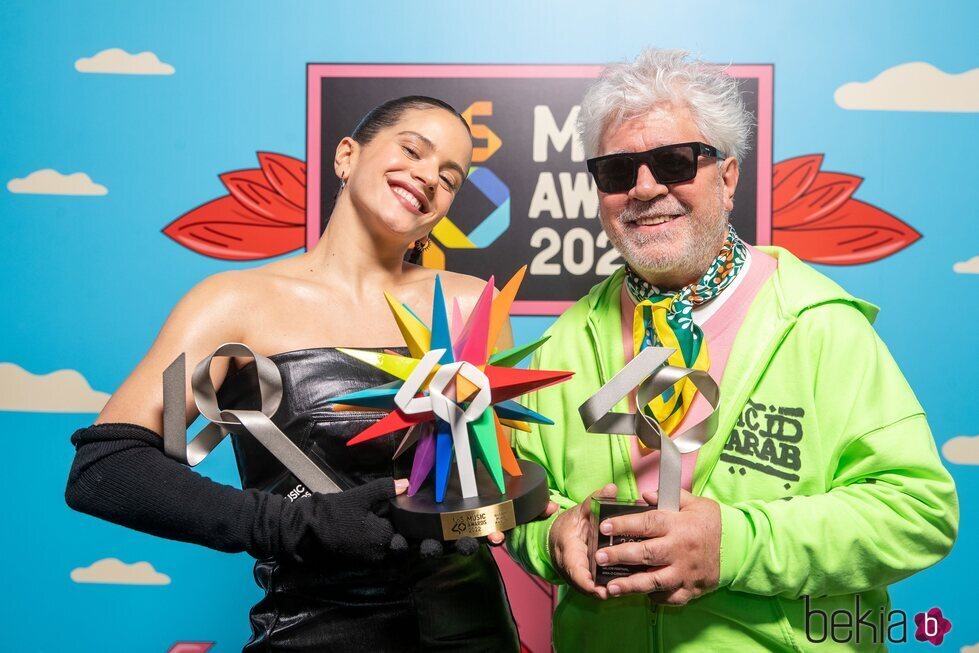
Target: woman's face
column 404, row 180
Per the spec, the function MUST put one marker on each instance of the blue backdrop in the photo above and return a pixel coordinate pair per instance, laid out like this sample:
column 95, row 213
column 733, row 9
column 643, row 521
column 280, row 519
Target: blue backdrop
column 89, row 278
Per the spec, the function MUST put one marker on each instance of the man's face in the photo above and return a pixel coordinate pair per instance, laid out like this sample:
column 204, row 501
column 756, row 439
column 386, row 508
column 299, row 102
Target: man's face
column 669, row 234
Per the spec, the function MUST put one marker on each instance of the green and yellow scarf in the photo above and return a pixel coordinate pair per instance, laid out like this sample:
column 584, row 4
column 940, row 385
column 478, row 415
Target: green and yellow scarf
column 665, row 319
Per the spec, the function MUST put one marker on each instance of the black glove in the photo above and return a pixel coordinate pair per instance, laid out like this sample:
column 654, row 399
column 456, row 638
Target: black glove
column 346, row 523
column 121, row 474
column 466, row 546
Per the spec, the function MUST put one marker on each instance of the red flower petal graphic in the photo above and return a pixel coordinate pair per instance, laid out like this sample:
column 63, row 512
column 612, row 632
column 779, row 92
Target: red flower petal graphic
column 853, row 234
column 827, row 192
column 286, row 175
column 224, row 229
column 791, row 178
column 253, row 191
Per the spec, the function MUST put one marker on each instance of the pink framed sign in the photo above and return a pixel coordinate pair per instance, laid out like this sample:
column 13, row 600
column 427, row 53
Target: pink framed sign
column 529, row 199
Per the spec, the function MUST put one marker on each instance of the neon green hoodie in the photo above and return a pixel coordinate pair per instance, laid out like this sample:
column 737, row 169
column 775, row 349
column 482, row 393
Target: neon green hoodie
column 825, row 469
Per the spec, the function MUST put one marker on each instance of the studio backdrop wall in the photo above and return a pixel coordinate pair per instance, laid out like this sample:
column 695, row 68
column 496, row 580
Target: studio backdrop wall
column 146, row 146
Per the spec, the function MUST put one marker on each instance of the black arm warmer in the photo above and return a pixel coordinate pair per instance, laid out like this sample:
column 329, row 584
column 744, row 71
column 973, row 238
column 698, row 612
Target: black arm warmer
column 121, row 474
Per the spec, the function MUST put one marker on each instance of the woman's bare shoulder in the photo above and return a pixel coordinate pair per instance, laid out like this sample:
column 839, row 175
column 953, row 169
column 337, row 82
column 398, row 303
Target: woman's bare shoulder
column 206, row 316
column 230, row 306
column 224, row 307
column 241, row 290
column 223, row 294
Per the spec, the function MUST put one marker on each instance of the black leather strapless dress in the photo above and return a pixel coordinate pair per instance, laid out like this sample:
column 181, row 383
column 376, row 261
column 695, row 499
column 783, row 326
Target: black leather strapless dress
column 451, row 603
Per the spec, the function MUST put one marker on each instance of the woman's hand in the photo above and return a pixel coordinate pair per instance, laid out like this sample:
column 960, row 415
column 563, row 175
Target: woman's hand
column 347, row 523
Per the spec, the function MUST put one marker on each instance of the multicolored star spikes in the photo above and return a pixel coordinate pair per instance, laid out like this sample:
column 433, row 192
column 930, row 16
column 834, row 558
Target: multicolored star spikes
column 453, row 393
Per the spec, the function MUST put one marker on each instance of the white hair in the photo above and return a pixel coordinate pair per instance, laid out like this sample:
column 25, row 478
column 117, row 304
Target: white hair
column 628, row 90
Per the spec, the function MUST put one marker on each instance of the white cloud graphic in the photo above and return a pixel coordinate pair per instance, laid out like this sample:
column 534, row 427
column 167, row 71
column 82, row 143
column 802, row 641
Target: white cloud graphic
column 914, row 86
column 970, row 649
column 52, row 182
column 962, row 450
column 967, row 267
column 64, row 391
column 112, row 571
column 116, row 61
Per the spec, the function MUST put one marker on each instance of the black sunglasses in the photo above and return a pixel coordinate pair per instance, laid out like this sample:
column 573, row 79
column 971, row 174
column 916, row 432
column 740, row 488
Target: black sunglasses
column 670, row 164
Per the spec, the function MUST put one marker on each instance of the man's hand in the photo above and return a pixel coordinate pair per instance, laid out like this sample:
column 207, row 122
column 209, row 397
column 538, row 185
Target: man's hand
column 568, row 543
column 683, row 547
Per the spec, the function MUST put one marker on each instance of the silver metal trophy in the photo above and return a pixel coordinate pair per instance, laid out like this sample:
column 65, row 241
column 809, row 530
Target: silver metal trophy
column 650, row 376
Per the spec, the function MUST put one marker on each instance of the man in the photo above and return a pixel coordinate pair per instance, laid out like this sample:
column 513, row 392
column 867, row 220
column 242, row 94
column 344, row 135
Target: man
column 822, row 483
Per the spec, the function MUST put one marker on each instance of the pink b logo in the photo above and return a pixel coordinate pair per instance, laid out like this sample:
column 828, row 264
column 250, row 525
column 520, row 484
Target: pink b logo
column 932, row 626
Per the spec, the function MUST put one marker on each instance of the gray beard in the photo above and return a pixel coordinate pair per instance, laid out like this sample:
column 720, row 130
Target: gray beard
column 690, row 261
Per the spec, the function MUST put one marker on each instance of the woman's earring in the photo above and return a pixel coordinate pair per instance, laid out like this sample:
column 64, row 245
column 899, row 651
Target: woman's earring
column 343, row 183
column 423, row 243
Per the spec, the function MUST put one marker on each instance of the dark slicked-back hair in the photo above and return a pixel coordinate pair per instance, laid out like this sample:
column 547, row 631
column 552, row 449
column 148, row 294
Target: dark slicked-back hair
column 389, row 113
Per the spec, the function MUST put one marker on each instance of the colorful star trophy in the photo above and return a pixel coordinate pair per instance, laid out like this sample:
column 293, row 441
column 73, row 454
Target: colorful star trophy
column 454, row 395
column 650, row 376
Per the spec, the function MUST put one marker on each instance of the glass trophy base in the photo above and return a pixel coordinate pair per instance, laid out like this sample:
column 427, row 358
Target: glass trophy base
column 420, row 517
column 602, row 509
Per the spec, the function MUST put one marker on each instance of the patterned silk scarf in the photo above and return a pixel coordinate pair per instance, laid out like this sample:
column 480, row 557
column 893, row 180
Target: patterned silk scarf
column 665, row 319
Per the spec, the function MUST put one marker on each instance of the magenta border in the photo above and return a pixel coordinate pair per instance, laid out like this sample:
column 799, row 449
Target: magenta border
column 765, row 73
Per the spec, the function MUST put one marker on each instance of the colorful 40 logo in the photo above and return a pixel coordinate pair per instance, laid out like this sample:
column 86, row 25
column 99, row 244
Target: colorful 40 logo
column 492, row 226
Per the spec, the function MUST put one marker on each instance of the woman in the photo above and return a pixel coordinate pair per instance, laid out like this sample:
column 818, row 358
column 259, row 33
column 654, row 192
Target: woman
column 325, row 562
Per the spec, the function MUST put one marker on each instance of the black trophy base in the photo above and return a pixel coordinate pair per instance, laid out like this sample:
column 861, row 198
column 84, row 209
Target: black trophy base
column 420, row 517
column 602, row 509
